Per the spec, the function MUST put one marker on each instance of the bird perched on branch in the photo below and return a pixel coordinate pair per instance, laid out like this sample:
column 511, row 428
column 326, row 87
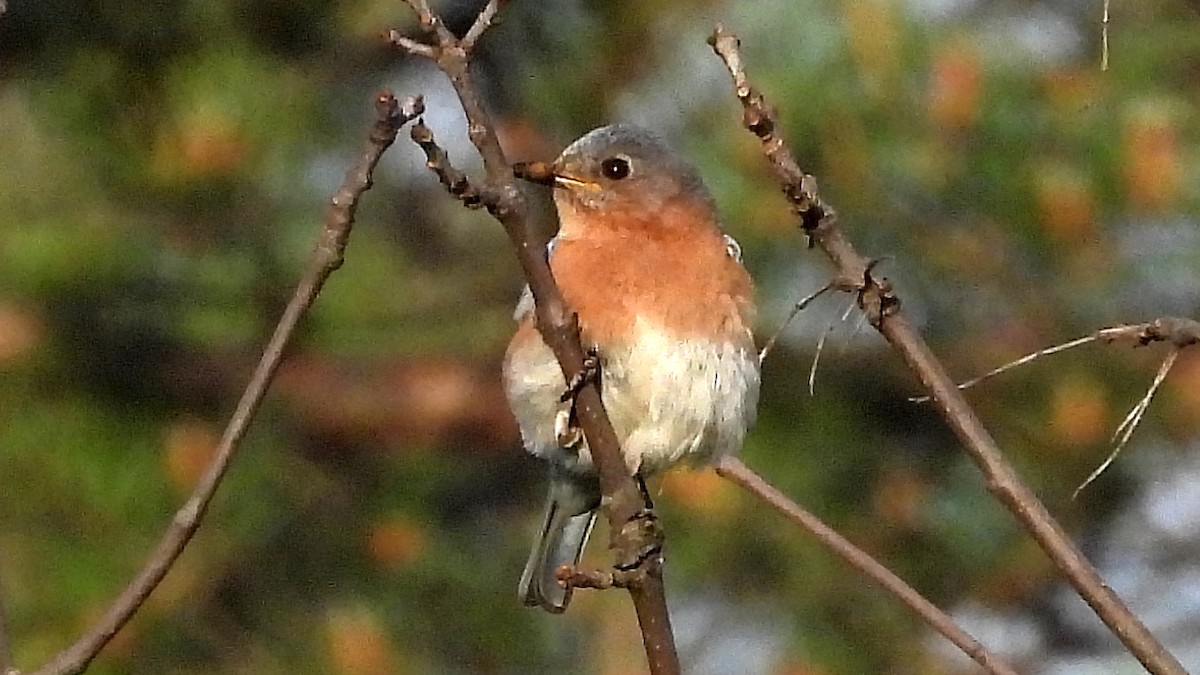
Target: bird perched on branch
column 664, row 303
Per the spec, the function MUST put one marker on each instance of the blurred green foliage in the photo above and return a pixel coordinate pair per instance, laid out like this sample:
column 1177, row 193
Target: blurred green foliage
column 163, row 170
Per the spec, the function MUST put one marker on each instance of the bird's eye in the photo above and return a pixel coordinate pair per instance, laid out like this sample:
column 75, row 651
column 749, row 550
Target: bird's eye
column 615, row 168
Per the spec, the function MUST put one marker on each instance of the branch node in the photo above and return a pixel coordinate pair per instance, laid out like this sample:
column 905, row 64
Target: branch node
column 1178, row 331
column 436, row 158
column 574, row 577
column 875, row 296
column 639, row 541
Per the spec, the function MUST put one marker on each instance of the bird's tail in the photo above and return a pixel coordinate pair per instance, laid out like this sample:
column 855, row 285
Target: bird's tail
column 569, row 519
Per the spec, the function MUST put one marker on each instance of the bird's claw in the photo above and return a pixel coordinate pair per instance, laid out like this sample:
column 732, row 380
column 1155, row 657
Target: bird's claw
column 588, row 374
column 566, row 425
column 566, row 429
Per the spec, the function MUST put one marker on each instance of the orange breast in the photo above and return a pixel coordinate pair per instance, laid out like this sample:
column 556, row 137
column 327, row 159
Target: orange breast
column 672, row 269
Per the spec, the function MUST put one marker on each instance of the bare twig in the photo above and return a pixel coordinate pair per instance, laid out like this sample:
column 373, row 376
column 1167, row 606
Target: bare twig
column 877, row 299
column 456, row 182
column 1126, row 427
column 1028, row 358
column 816, row 361
column 636, row 540
column 736, row 471
column 812, row 370
column 412, row 46
column 326, row 257
column 795, row 311
column 431, row 23
column 1171, row 329
column 485, row 20
column 859, row 325
column 1179, row 333
column 574, row 577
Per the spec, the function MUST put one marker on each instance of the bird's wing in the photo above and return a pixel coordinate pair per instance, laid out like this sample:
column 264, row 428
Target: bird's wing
column 733, row 248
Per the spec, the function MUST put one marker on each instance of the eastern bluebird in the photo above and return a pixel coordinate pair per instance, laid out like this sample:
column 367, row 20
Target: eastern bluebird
column 666, row 305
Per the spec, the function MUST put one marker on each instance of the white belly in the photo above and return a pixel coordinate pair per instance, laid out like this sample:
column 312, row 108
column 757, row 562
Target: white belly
column 668, row 399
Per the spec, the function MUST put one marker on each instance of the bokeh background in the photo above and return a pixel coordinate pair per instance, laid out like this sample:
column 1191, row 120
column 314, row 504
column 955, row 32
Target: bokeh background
column 163, row 172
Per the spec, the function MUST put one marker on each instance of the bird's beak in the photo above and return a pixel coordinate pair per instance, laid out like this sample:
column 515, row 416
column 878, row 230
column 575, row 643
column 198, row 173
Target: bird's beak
column 564, row 181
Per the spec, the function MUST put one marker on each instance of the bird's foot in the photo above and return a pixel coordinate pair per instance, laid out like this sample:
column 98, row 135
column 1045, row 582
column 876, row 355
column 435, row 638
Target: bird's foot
column 589, row 373
column 566, row 428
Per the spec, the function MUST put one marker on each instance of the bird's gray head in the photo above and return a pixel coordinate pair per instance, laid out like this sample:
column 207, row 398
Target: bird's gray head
column 624, row 167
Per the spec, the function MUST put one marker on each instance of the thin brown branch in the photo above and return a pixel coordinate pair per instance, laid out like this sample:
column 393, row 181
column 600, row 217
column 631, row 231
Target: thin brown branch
column 760, row 118
column 737, row 472
column 412, row 46
column 882, row 306
column 636, row 540
column 485, row 20
column 1126, row 427
column 454, row 59
column 600, row 580
column 1028, row 358
column 438, row 161
column 326, row 257
column 431, row 23
column 1171, row 329
column 795, row 311
column 575, row 577
column 1179, row 333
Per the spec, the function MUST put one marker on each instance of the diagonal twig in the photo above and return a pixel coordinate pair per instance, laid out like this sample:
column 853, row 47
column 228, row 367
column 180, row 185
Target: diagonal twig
column 485, row 20
column 737, row 472
column 1178, row 332
column 1028, row 358
column 877, row 299
column 457, row 183
column 326, row 257
column 1131, row 421
column 812, row 370
column 792, row 314
column 634, row 529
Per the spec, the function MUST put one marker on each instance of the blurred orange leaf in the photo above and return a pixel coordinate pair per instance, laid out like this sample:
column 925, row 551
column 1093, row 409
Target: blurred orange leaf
column 189, row 446
column 1150, row 143
column 955, row 84
column 1079, row 412
column 397, row 541
column 703, row 492
column 358, row 644
column 20, row 332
